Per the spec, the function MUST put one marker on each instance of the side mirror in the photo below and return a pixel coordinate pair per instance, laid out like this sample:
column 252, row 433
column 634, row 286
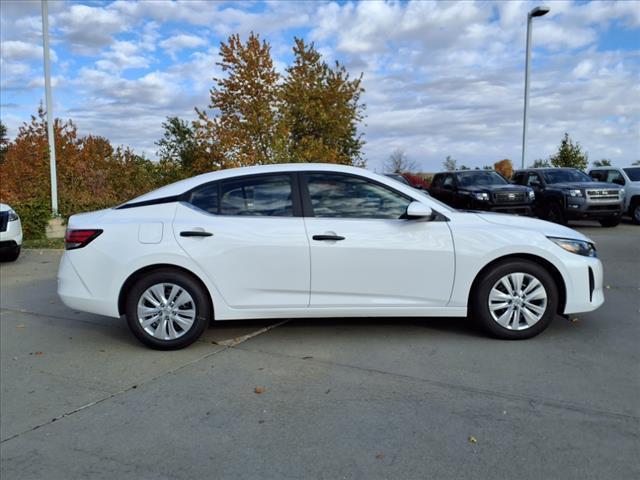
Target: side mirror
column 419, row 211
column 535, row 184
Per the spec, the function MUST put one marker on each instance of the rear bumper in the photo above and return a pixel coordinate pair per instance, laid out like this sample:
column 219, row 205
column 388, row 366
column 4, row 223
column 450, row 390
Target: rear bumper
column 76, row 295
column 12, row 236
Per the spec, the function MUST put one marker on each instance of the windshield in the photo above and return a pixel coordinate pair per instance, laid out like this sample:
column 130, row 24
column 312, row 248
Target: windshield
column 565, row 176
column 633, row 173
column 467, row 179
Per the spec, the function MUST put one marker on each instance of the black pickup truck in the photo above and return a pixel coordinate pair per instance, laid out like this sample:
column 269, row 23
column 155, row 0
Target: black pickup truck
column 481, row 190
column 563, row 194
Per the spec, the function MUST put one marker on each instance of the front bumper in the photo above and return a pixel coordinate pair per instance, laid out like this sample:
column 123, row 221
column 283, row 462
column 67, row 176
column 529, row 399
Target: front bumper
column 579, row 207
column 525, row 209
column 584, row 285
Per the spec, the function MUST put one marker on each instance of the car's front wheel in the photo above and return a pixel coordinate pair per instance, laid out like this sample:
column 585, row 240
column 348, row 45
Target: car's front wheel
column 515, row 299
column 167, row 309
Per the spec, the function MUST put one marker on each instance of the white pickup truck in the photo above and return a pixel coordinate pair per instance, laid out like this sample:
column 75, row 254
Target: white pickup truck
column 629, row 178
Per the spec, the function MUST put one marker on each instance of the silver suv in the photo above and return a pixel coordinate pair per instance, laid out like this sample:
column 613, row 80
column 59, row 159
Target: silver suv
column 629, row 178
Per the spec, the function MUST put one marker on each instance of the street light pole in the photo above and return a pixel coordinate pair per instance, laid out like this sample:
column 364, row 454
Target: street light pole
column 47, row 91
column 536, row 12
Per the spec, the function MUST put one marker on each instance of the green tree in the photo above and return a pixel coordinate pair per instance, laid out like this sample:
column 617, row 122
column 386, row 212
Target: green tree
column 540, row 163
column 637, row 162
column 321, row 109
column 449, row 163
column 247, row 97
column 602, row 163
column 464, row 167
column 570, row 155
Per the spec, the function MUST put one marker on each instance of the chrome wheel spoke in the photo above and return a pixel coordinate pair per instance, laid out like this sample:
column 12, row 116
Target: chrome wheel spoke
column 516, row 281
column 166, row 311
column 505, row 317
column 538, row 294
column 182, row 299
column 529, row 317
column 147, row 322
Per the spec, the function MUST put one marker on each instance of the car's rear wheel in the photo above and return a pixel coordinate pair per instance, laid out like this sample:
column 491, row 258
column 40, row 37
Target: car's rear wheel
column 610, row 221
column 515, row 299
column 167, row 309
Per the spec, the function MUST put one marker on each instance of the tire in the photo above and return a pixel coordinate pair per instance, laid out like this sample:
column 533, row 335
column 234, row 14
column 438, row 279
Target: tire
column 635, row 213
column 555, row 214
column 11, row 255
column 503, row 327
column 177, row 326
column 610, row 221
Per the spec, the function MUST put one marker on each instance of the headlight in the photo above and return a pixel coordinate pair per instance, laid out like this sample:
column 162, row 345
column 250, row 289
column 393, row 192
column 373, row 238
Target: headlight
column 532, row 195
column 575, row 193
column 482, row 196
column 622, row 192
column 580, row 247
column 13, row 216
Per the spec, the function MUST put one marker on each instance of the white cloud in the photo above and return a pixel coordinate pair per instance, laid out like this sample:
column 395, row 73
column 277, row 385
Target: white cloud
column 87, row 29
column 180, row 42
column 23, row 51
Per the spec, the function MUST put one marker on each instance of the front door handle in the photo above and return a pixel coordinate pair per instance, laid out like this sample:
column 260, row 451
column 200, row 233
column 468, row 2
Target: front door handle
column 195, row 233
column 328, row 237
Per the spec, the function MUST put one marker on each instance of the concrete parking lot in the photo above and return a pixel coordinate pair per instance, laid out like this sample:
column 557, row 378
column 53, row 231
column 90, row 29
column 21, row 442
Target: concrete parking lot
column 344, row 398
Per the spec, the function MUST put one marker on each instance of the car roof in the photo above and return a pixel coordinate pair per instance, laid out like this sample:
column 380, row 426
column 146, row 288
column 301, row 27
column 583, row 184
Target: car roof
column 185, row 185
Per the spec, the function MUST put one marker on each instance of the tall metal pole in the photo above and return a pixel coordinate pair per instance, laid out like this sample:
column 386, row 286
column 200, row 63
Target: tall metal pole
column 47, row 90
column 526, row 90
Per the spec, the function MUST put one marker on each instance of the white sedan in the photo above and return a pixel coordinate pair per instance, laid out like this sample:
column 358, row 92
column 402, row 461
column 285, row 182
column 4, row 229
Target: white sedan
column 317, row 240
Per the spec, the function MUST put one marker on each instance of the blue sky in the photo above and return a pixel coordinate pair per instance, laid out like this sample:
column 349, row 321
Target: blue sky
column 441, row 78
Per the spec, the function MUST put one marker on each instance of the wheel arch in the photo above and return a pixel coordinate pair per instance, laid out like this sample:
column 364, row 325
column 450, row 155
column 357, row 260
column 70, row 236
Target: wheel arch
column 131, row 279
column 553, row 271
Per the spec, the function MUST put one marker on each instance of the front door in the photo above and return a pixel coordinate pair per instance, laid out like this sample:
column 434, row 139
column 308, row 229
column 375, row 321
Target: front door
column 365, row 253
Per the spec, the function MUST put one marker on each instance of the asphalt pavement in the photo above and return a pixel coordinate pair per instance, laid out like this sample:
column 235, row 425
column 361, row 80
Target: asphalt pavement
column 338, row 399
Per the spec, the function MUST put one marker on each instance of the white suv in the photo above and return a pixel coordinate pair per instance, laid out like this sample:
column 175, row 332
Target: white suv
column 629, row 178
column 10, row 233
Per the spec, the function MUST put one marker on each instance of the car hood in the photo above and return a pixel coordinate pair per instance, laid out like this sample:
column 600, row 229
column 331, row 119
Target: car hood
column 540, row 226
column 495, row 188
column 576, row 185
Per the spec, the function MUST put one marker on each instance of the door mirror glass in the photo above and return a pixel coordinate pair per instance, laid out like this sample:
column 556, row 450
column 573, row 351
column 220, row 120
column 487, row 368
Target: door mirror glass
column 417, row 210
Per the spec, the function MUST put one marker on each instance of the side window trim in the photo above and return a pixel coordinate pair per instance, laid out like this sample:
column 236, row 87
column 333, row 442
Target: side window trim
column 295, row 193
column 307, row 207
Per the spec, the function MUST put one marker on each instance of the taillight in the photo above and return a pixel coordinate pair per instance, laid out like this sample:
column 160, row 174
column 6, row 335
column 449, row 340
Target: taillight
column 79, row 238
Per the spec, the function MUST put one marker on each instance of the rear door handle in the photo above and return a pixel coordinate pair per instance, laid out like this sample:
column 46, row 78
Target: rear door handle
column 328, row 237
column 195, row 233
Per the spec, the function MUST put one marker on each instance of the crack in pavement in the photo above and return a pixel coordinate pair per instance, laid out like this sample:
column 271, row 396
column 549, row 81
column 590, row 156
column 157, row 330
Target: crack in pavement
column 227, row 344
column 531, row 400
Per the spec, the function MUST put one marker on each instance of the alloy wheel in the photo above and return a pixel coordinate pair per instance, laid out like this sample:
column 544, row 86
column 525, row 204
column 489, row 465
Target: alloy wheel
column 517, row 301
column 166, row 311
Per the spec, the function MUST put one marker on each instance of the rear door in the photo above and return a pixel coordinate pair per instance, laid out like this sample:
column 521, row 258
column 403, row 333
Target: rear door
column 365, row 253
column 248, row 234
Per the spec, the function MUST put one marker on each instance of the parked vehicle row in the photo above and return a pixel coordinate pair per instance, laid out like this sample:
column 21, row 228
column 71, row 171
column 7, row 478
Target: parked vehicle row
column 317, row 240
column 554, row 194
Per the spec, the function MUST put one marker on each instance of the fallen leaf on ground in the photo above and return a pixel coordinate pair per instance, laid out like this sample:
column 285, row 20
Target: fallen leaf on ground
column 574, row 320
column 20, row 326
column 258, row 390
column 473, row 439
column 379, row 456
column 608, row 287
column 39, row 354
